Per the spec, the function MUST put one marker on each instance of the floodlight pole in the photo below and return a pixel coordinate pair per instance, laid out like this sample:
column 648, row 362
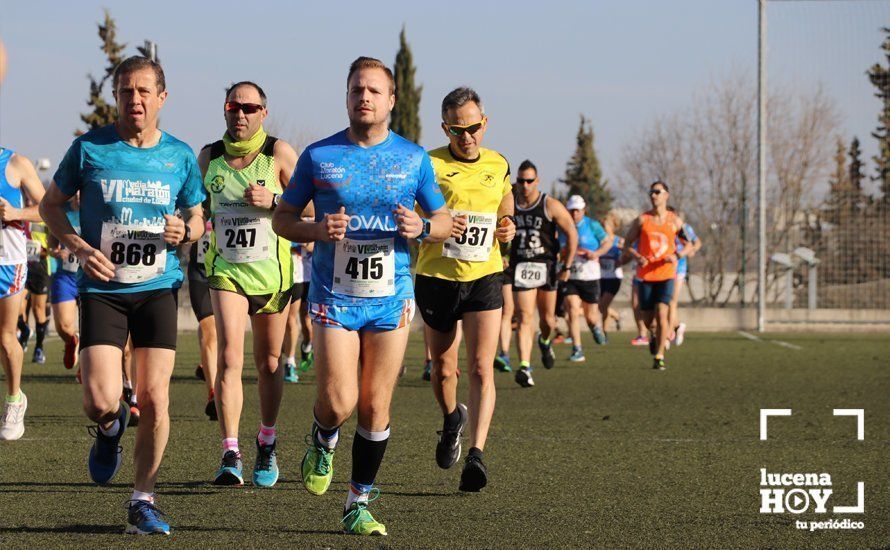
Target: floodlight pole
column 761, row 163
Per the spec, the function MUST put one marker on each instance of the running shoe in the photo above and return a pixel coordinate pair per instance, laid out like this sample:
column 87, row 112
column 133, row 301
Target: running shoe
column 290, row 373
column 210, row 407
column 12, row 426
column 70, row 357
column 265, row 469
column 658, row 364
column 559, row 338
column 448, row 447
column 640, row 341
column 567, row 340
column 39, row 356
column 547, row 355
column 427, row 371
column 317, row 467
column 199, row 372
column 577, row 355
column 475, row 475
column 599, row 336
column 307, row 359
column 653, row 344
column 134, row 417
column 105, row 454
column 681, row 334
column 229, row 473
column 524, row 377
column 143, row 518
column 502, row 362
column 359, row 521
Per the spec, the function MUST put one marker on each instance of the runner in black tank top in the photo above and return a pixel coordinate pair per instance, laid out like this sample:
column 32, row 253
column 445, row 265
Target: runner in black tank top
column 533, row 259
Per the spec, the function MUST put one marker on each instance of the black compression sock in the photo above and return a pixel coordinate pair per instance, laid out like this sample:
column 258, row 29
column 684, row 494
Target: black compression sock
column 368, row 449
column 41, row 332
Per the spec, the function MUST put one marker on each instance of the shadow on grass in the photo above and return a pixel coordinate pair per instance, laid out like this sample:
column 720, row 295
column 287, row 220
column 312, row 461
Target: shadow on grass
column 50, row 378
column 76, row 528
column 240, row 529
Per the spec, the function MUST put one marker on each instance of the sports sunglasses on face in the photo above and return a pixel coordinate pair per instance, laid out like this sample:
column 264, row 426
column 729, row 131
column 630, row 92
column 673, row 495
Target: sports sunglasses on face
column 458, row 131
column 246, row 108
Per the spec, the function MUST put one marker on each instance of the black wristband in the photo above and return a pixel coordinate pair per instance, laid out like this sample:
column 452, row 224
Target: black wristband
column 188, row 234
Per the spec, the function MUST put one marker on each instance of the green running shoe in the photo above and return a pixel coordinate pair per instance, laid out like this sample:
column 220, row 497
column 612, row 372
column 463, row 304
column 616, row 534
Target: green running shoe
column 317, row 467
column 307, row 359
column 359, row 521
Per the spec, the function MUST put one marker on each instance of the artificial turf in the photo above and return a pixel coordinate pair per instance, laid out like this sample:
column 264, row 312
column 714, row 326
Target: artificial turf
column 608, row 453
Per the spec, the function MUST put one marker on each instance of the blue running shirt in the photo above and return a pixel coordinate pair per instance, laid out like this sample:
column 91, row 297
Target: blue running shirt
column 124, row 193
column 590, row 237
column 689, row 234
column 371, row 265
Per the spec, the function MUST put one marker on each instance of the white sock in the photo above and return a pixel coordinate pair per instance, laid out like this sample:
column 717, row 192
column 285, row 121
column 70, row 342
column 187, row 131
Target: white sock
column 306, row 347
column 353, row 495
column 291, row 360
column 139, row 495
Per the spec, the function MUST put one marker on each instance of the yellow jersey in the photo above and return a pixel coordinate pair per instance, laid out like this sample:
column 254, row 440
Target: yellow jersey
column 473, row 188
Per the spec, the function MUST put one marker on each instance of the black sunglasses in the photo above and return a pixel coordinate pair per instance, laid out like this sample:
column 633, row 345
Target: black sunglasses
column 458, row 131
column 520, row 181
column 655, row 191
column 246, row 108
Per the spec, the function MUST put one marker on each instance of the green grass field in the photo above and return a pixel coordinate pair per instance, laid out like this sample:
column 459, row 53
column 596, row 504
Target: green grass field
column 604, row 454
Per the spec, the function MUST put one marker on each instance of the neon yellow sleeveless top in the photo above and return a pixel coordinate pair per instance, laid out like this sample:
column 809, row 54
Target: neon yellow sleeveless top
column 243, row 248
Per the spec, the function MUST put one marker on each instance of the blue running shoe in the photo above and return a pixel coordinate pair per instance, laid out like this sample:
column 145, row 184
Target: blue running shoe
column 290, row 373
column 599, row 336
column 577, row 355
column 105, row 454
column 229, row 473
column 502, row 362
column 143, row 518
column 427, row 371
column 39, row 356
column 265, row 469
column 547, row 355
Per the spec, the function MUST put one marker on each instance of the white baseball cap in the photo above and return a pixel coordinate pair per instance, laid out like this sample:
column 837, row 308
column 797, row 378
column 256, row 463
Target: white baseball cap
column 576, row 202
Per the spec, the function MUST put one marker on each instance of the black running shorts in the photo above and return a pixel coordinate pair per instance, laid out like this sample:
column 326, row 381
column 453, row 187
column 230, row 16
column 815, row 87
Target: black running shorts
column 442, row 303
column 588, row 291
column 107, row 318
column 610, row 286
column 38, row 278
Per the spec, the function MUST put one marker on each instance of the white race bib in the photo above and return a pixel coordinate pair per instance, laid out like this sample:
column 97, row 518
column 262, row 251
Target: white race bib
column 609, row 269
column 365, row 269
column 203, row 245
column 475, row 244
column 584, row 270
column 243, row 238
column 530, row 275
column 71, row 263
column 298, row 268
column 138, row 252
column 32, row 249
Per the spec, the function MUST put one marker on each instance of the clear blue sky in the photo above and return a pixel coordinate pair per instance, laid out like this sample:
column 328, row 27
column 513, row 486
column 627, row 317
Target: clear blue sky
column 536, row 65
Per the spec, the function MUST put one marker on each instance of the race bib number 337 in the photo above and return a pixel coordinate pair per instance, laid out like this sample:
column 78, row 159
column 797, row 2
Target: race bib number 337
column 365, row 269
column 475, row 244
column 138, row 252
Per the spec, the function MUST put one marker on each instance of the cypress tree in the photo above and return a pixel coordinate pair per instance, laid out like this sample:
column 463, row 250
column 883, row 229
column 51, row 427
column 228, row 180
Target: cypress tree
column 583, row 175
column 405, row 117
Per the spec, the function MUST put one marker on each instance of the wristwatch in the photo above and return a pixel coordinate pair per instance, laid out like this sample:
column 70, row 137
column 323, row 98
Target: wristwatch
column 276, row 198
column 425, row 232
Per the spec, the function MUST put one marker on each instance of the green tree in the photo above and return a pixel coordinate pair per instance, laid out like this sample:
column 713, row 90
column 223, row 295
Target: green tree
column 405, row 118
column 838, row 188
column 583, row 175
column 880, row 79
column 103, row 112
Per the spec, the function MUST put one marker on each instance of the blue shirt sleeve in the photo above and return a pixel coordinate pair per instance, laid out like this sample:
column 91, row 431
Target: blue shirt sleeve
column 300, row 188
column 598, row 231
column 192, row 192
column 67, row 176
column 688, row 233
column 428, row 195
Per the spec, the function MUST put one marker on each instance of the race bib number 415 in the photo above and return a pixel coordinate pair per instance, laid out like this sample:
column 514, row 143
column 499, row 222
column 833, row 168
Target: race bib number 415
column 475, row 244
column 365, row 269
column 138, row 252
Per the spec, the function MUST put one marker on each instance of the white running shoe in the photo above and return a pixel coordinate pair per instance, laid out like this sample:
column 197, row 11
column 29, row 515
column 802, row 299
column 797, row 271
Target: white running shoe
column 681, row 334
column 12, row 426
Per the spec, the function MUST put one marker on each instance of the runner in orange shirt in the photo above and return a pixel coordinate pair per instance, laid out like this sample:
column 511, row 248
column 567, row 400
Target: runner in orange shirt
column 656, row 232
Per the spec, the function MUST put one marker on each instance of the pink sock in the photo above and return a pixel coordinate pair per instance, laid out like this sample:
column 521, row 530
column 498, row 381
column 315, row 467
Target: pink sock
column 230, row 444
column 266, row 435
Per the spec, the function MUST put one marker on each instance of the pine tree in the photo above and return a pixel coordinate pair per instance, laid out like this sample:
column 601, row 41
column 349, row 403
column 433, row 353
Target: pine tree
column 583, row 175
column 837, row 185
column 405, row 119
column 880, row 79
column 103, row 112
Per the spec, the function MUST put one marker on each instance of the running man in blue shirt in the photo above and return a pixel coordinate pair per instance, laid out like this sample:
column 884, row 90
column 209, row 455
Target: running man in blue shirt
column 685, row 239
column 132, row 177
column 582, row 290
column 364, row 182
